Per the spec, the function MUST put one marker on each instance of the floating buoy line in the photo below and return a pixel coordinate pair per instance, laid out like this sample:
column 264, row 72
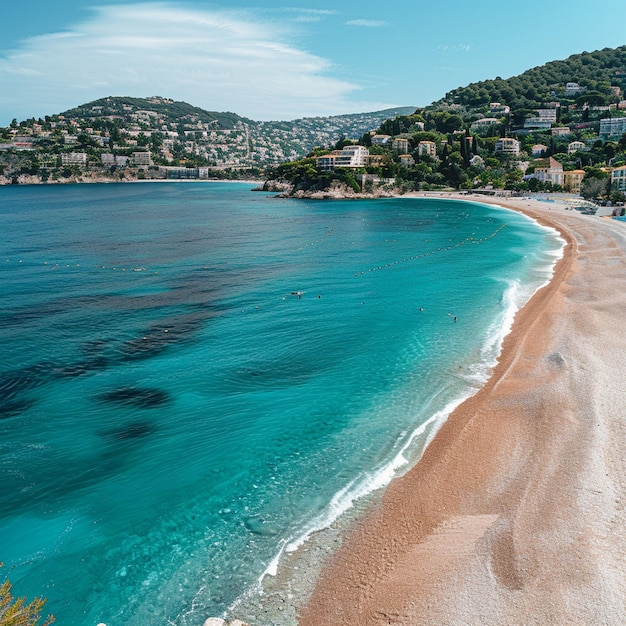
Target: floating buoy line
column 464, row 242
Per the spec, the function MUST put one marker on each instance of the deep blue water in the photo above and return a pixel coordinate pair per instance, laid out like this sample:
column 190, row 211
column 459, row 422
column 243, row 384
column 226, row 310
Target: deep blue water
column 173, row 414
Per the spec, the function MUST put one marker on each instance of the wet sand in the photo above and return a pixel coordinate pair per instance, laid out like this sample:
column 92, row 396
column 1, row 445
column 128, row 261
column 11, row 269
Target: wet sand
column 516, row 512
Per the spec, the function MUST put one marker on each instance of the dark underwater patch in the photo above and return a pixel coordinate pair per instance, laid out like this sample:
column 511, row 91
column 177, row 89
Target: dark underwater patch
column 159, row 337
column 13, row 408
column 80, row 368
column 144, row 398
column 134, row 430
column 14, row 382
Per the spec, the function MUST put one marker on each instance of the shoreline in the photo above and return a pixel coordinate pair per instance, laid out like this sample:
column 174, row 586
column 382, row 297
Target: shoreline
column 492, row 525
column 451, row 540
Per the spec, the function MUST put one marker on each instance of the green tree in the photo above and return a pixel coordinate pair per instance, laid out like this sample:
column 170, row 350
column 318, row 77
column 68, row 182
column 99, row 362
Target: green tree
column 16, row 612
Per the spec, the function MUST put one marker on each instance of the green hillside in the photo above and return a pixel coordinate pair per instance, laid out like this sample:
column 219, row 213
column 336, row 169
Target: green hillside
column 596, row 71
column 172, row 111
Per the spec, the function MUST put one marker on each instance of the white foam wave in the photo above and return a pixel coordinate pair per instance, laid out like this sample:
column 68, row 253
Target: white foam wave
column 514, row 298
column 363, row 485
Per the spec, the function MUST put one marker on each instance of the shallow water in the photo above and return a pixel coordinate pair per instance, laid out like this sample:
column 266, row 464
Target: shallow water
column 173, row 414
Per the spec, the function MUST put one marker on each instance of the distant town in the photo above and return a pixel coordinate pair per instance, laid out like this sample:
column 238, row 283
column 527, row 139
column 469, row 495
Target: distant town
column 158, row 138
column 560, row 127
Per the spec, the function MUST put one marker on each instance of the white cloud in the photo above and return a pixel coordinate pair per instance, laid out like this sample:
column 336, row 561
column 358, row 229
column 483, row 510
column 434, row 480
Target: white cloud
column 367, row 23
column 311, row 15
column 455, row 48
column 225, row 61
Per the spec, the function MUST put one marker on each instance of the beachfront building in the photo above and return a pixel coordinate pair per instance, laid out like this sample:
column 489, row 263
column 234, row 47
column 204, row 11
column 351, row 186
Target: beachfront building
column 350, row 156
column 618, row 178
column 549, row 171
column 427, row 148
column 575, row 146
column 107, row 159
column 507, row 145
column 572, row 180
column 142, row 159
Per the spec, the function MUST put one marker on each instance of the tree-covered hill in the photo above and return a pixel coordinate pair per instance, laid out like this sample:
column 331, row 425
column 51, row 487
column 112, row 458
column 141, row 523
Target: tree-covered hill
column 595, row 71
column 174, row 112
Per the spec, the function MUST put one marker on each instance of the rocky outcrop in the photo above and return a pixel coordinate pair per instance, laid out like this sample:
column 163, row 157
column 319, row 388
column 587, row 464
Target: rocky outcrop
column 336, row 191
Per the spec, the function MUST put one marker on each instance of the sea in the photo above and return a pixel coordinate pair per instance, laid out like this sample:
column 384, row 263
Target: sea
column 195, row 377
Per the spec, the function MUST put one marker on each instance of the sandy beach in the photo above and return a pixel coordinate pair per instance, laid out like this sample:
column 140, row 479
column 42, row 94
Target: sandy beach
column 516, row 512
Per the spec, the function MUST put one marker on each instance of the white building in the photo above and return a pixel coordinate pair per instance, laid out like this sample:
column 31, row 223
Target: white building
column 549, row 171
column 142, row 159
column 427, row 147
column 507, row 145
column 496, row 108
column 400, row 145
column 575, row 146
column 573, row 89
column 350, row 156
column 613, row 127
column 547, row 114
column 538, row 150
column 380, row 140
column 485, row 122
column 74, row 158
column 537, row 123
column 618, row 177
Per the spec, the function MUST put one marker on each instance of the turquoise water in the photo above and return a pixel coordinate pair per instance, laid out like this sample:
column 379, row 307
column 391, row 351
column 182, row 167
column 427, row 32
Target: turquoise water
column 173, row 415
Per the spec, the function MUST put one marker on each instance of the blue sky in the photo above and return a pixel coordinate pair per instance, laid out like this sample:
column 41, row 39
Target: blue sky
column 273, row 59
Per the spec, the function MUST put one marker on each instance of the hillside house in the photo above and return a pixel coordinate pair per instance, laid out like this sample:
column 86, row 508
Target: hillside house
column 350, row 156
column 572, row 180
column 485, row 123
column 538, row 150
column 400, row 145
column 495, row 108
column 573, row 89
column 618, row 178
column 380, row 140
column 74, row 158
column 142, row 159
column 549, row 171
column 612, row 127
column 575, row 146
column 427, row 148
column 507, row 145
